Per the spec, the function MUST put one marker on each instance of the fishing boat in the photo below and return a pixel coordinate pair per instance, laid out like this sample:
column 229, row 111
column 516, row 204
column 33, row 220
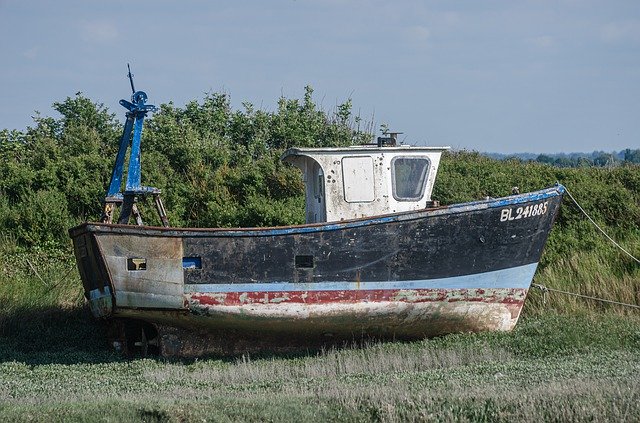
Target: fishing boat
column 376, row 258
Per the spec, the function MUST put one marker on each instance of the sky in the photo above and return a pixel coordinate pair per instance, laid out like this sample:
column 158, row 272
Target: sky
column 500, row 76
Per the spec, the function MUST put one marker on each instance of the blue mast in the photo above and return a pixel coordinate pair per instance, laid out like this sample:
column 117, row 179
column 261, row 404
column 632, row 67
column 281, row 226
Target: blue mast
column 137, row 111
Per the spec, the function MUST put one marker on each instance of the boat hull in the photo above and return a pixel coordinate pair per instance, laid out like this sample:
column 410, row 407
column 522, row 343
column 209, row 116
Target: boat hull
column 460, row 268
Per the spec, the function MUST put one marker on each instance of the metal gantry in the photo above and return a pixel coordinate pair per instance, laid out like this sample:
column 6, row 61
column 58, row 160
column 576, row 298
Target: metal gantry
column 131, row 137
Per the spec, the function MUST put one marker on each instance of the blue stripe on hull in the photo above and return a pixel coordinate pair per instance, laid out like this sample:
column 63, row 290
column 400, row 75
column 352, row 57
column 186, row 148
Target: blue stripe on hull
column 515, row 277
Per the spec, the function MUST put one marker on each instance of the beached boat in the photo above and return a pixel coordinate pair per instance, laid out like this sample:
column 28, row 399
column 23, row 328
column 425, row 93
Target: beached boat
column 376, row 258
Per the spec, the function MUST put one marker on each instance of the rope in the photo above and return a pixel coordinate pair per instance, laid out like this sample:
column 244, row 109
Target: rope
column 599, row 228
column 545, row 290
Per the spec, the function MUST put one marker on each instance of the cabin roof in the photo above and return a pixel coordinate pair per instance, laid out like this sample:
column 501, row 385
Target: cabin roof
column 297, row 151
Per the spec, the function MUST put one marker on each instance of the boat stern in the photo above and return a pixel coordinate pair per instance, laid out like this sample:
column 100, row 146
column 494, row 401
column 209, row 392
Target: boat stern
column 95, row 278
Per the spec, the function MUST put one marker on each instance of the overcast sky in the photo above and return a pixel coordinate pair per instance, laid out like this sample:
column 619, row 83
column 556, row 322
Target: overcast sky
column 501, row 76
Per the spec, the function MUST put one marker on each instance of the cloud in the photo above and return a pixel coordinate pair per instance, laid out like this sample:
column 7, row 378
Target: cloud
column 418, row 33
column 450, row 18
column 621, row 31
column 542, row 41
column 31, row 53
column 98, row 31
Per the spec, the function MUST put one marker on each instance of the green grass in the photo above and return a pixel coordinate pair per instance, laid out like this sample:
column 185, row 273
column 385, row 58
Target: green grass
column 567, row 360
column 55, row 364
column 601, row 273
column 550, row 368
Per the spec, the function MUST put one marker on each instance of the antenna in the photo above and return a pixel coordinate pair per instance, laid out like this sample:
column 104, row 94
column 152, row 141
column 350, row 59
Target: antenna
column 133, row 90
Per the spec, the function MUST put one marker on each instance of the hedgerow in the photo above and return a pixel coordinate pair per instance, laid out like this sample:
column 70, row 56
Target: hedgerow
column 220, row 167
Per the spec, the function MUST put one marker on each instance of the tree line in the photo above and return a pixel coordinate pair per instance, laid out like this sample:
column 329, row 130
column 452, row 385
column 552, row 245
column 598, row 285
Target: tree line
column 219, row 167
column 595, row 158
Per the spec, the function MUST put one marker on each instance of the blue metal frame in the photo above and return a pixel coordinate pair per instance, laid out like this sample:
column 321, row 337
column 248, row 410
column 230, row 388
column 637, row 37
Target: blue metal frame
column 137, row 111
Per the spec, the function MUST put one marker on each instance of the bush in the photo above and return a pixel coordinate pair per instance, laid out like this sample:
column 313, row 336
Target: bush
column 220, row 167
column 216, row 166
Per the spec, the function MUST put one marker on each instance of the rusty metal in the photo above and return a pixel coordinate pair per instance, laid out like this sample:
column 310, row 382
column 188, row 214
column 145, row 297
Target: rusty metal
column 186, row 334
column 130, row 141
column 162, row 213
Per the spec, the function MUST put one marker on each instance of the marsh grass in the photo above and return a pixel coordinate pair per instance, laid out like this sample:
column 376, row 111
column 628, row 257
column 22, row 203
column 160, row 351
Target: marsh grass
column 567, row 360
column 550, row 368
column 601, row 273
column 55, row 365
column 38, row 277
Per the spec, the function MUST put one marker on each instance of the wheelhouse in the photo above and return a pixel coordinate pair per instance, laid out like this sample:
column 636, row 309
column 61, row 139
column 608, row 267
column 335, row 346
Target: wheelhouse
column 365, row 181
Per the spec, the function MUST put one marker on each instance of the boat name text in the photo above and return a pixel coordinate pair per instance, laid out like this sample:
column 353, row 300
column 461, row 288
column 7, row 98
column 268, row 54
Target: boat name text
column 523, row 212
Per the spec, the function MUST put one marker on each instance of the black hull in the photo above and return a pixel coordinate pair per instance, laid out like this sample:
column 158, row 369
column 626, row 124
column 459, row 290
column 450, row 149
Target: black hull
column 457, row 268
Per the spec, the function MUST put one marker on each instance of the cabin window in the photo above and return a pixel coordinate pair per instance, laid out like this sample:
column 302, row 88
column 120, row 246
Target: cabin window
column 409, row 177
column 317, row 183
column 357, row 176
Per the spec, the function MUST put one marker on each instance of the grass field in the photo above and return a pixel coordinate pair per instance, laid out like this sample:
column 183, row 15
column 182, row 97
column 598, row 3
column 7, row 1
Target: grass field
column 552, row 368
column 55, row 364
column 566, row 361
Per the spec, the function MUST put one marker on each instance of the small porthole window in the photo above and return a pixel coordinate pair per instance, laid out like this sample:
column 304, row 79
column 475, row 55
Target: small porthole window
column 136, row 264
column 191, row 263
column 409, row 177
column 304, row 262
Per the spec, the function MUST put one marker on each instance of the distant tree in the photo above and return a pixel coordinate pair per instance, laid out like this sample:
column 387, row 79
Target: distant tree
column 563, row 162
column 597, row 158
column 584, row 162
column 632, row 156
column 604, row 160
column 543, row 158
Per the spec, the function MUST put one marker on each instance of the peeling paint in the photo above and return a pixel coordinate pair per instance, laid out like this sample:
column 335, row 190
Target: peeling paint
column 280, row 299
column 501, row 295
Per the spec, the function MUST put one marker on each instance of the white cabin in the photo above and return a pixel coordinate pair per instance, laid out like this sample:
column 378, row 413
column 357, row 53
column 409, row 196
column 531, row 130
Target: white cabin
column 365, row 181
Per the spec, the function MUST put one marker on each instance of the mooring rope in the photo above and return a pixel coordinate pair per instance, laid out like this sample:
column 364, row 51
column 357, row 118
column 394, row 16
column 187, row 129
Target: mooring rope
column 545, row 290
column 599, row 228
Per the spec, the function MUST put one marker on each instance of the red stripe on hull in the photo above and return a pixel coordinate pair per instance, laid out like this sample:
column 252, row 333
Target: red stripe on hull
column 502, row 296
